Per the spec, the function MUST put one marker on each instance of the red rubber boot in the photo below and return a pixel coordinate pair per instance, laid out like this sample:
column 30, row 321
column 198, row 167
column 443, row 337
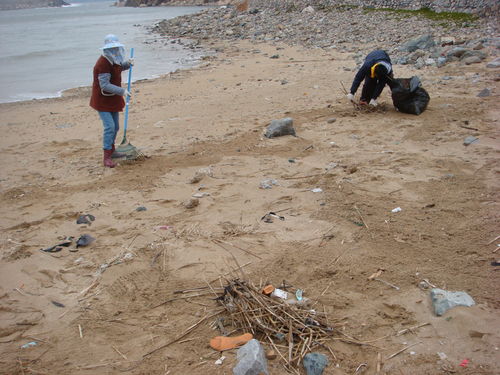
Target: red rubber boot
column 107, row 159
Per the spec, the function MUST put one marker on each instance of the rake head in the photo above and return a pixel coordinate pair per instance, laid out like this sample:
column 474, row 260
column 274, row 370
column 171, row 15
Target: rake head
column 131, row 152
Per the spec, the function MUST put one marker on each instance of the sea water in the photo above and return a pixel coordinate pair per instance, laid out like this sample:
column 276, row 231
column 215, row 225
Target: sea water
column 47, row 50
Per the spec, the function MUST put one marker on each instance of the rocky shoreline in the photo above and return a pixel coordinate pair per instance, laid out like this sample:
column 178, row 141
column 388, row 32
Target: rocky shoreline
column 26, row 4
column 409, row 39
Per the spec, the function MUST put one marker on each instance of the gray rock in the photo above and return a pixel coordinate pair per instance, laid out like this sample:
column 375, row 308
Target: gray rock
column 472, row 60
column 331, row 120
column 484, row 93
column 278, row 128
column 469, row 140
column 446, row 78
column 443, row 300
column 403, row 60
column 494, row 64
column 251, row 359
column 470, row 53
column 420, row 63
column 456, row 52
column 415, row 56
column 315, row 363
column 268, row 183
column 441, row 61
column 422, row 42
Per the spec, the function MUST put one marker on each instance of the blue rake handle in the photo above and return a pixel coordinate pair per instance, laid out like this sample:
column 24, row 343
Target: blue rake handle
column 127, row 100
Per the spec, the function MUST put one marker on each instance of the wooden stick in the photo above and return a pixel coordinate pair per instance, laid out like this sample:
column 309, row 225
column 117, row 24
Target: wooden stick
column 468, row 127
column 363, row 220
column 300, row 177
column 178, row 298
column 229, row 243
column 379, row 363
column 359, row 367
column 493, row 240
column 402, row 350
column 403, row 331
column 234, row 258
column 123, row 355
column 227, row 273
column 89, row 288
column 387, row 283
column 80, row 330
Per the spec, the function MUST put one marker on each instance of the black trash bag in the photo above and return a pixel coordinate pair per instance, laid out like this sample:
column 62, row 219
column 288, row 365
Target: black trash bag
column 408, row 95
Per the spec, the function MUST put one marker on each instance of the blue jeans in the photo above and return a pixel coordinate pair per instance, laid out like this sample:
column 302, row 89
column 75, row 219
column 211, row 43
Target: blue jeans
column 111, row 125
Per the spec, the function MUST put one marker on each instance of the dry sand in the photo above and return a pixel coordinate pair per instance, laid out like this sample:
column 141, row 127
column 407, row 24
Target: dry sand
column 328, row 245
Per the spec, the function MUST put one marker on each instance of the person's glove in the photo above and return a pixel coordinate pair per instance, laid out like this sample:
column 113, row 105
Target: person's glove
column 131, row 61
column 373, row 103
column 127, row 93
column 350, row 97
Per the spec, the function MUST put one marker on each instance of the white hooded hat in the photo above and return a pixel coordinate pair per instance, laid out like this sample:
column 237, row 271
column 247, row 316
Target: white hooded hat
column 111, row 41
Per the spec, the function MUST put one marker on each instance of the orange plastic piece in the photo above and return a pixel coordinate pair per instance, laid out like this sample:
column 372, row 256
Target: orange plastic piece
column 221, row 343
column 268, row 289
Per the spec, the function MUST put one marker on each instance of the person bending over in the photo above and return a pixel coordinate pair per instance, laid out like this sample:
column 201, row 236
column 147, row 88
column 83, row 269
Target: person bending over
column 377, row 72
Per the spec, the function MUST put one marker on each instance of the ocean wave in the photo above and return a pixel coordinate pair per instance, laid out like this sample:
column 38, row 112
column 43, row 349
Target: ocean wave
column 34, row 55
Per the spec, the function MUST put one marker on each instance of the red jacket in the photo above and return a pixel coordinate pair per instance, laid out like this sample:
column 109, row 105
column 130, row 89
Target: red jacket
column 100, row 102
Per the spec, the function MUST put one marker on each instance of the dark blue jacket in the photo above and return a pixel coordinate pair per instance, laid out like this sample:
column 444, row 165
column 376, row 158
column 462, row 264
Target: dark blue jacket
column 370, row 60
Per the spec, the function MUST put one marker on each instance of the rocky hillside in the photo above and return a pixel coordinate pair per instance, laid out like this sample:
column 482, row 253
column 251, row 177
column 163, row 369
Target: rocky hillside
column 152, row 3
column 24, row 4
column 487, row 8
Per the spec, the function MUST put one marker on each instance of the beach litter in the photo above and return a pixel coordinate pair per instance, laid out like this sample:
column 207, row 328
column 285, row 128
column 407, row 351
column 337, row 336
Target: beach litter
column 85, row 219
column 268, row 218
column 58, row 304
column 84, row 240
column 268, row 184
column 56, row 248
column 221, row 343
column 276, row 317
column 469, row 140
column 29, row 345
column 220, row 360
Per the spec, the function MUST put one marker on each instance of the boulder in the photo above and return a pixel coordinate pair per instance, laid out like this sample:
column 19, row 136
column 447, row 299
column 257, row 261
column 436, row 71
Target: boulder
column 315, row 363
column 251, row 359
column 443, row 300
column 422, row 42
column 278, row 128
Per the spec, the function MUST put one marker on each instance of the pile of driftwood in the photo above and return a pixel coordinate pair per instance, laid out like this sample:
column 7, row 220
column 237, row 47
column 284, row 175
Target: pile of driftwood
column 291, row 329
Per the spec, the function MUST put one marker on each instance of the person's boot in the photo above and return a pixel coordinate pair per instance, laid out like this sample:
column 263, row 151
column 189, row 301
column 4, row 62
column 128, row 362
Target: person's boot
column 107, row 159
column 116, row 154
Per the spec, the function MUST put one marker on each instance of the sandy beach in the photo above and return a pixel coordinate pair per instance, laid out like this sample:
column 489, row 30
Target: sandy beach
column 95, row 310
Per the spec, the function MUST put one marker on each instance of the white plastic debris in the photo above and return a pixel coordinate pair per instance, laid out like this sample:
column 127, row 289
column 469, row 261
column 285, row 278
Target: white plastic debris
column 268, row 184
column 397, row 209
column 279, row 293
column 442, row 355
column 220, row 360
column 317, row 190
column 200, row 195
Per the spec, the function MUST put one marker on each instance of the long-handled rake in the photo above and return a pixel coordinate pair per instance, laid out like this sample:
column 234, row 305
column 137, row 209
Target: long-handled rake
column 131, row 152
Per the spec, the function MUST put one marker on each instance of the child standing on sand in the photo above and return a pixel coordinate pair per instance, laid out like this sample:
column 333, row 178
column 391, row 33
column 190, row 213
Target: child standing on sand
column 107, row 93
